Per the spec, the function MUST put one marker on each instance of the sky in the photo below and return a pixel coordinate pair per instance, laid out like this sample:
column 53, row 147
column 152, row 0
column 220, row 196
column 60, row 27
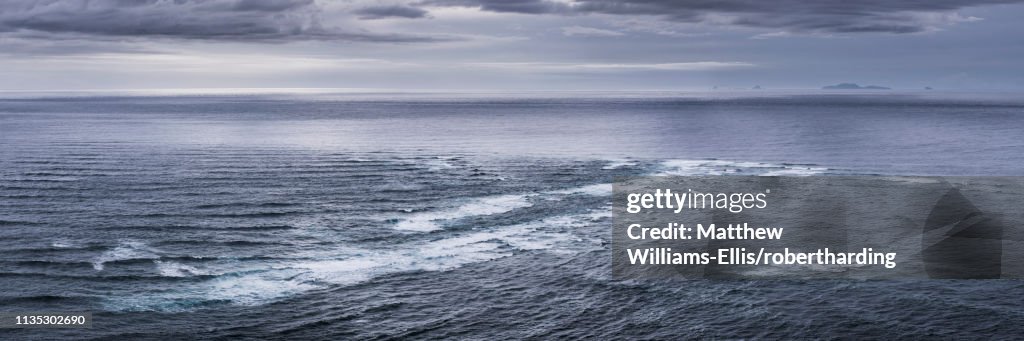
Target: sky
column 510, row 45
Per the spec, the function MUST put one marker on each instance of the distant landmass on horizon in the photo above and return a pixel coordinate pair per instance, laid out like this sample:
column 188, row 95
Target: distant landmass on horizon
column 854, row 86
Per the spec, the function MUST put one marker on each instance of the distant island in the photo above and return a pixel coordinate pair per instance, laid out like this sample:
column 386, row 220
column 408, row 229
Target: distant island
column 853, row 86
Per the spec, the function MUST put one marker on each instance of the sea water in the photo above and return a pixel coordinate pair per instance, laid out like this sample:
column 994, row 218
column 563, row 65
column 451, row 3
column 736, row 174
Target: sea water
column 450, row 215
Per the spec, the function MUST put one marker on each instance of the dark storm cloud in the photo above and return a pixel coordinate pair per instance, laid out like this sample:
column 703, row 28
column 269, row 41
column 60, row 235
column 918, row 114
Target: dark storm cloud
column 232, row 20
column 827, row 16
column 380, row 12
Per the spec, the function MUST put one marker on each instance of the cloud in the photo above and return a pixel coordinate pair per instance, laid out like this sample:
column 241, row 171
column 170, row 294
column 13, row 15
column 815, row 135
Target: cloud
column 217, row 63
column 825, row 16
column 230, row 20
column 659, row 27
column 305, row 20
column 771, row 35
column 394, row 11
column 582, row 31
column 36, row 48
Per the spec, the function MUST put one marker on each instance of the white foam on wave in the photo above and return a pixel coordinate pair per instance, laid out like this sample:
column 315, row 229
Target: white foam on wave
column 252, row 289
column 449, row 253
column 594, row 190
column 619, row 163
column 439, row 164
column 797, row 171
column 126, row 250
column 908, row 179
column 430, row 221
column 604, row 213
column 281, row 279
column 175, row 269
column 723, row 167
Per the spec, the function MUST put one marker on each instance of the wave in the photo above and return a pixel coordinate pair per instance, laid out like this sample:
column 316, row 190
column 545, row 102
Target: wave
column 275, row 280
column 432, row 220
column 16, row 222
column 724, row 167
column 268, row 227
column 238, row 242
column 199, row 283
column 603, row 189
column 619, row 163
column 400, row 187
column 429, row 221
column 273, row 214
column 80, row 300
column 439, row 164
column 44, row 179
column 126, row 251
column 246, row 204
column 175, row 269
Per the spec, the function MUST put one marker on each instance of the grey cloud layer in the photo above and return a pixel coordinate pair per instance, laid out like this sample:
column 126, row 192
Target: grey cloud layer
column 381, row 12
column 827, row 16
column 239, row 20
column 297, row 20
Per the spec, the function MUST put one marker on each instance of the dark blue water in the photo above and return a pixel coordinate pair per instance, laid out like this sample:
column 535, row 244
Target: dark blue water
column 461, row 216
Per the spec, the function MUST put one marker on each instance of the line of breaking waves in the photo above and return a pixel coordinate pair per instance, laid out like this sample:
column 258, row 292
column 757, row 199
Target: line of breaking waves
column 240, row 233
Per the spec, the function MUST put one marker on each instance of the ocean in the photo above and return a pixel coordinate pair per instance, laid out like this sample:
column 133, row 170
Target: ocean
column 466, row 216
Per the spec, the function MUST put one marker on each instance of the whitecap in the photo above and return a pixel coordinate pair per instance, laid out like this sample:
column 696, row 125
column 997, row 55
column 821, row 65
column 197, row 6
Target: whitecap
column 796, row 171
column 175, row 269
column 597, row 190
column 430, row 221
column 126, row 250
column 349, row 266
column 724, row 167
column 254, row 289
column 619, row 163
column 439, row 164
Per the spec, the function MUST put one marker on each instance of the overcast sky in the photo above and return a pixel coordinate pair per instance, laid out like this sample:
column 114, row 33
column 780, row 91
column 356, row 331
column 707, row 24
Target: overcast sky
column 511, row 44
